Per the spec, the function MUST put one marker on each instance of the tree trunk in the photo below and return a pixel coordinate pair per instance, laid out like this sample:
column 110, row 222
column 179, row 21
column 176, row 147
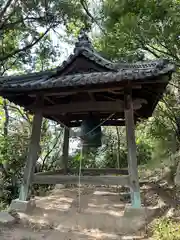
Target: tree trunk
column 5, row 132
column 177, row 176
column 118, row 147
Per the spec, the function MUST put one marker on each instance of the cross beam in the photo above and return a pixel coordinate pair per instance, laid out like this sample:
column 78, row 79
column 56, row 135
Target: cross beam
column 85, row 171
column 90, row 106
column 107, row 123
column 94, row 180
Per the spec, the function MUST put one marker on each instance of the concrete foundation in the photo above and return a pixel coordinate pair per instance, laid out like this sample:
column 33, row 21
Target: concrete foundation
column 22, row 206
column 142, row 212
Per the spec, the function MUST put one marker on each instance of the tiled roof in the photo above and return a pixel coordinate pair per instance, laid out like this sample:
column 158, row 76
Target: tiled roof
column 140, row 71
column 86, row 67
column 113, row 72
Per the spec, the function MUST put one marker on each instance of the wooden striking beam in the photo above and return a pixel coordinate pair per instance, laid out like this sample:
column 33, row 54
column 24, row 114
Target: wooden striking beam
column 87, row 171
column 93, row 180
column 90, row 106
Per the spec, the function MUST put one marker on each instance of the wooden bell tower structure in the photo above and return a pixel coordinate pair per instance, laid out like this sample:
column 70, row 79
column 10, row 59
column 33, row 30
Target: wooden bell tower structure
column 88, row 83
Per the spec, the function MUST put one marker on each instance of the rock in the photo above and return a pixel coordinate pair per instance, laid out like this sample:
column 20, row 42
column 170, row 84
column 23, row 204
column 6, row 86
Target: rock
column 6, row 218
column 59, row 186
column 14, row 214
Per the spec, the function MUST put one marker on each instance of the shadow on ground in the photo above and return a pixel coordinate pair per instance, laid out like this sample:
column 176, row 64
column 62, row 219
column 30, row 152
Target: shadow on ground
column 99, row 216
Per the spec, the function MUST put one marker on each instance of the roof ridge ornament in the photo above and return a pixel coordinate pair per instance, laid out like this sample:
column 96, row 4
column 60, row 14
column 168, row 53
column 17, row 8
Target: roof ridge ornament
column 83, row 41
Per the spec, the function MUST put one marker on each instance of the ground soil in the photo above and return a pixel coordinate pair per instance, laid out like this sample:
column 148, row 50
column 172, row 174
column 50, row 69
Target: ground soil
column 99, row 216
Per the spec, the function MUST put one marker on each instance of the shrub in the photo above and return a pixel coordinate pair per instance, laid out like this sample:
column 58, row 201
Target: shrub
column 166, row 229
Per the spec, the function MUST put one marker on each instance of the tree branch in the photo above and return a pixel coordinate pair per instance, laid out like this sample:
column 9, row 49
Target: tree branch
column 85, row 7
column 49, row 152
column 118, row 147
column 9, row 15
column 170, row 52
column 161, row 51
column 19, row 111
column 24, row 48
column 6, row 123
column 145, row 47
column 7, row 5
column 91, row 17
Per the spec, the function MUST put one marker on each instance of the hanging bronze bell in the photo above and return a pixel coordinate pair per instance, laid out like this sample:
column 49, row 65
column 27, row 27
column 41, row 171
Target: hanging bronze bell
column 91, row 132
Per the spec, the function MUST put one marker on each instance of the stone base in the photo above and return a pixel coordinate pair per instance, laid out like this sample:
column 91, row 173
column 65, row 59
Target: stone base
column 142, row 212
column 22, row 206
column 6, row 218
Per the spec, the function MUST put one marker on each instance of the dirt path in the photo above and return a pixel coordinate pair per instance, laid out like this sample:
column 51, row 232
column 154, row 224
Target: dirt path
column 57, row 217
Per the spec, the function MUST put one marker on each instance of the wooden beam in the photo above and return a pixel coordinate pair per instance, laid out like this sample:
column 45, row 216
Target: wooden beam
column 65, row 154
column 96, row 89
column 107, row 123
column 76, row 91
column 105, row 106
column 49, row 100
column 53, row 118
column 132, row 158
column 71, row 118
column 32, row 157
column 91, row 95
column 93, row 180
column 87, row 171
column 90, row 106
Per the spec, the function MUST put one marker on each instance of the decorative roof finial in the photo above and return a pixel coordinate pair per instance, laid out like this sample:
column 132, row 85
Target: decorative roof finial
column 83, row 40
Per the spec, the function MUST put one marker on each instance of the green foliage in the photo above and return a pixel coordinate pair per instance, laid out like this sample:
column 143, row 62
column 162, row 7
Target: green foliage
column 113, row 153
column 88, row 159
column 13, row 151
column 144, row 153
column 139, row 30
column 166, row 229
column 134, row 27
column 26, row 28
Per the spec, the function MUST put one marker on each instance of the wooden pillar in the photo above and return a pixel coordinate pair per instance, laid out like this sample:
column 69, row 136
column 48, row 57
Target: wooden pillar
column 132, row 158
column 65, row 153
column 32, row 157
